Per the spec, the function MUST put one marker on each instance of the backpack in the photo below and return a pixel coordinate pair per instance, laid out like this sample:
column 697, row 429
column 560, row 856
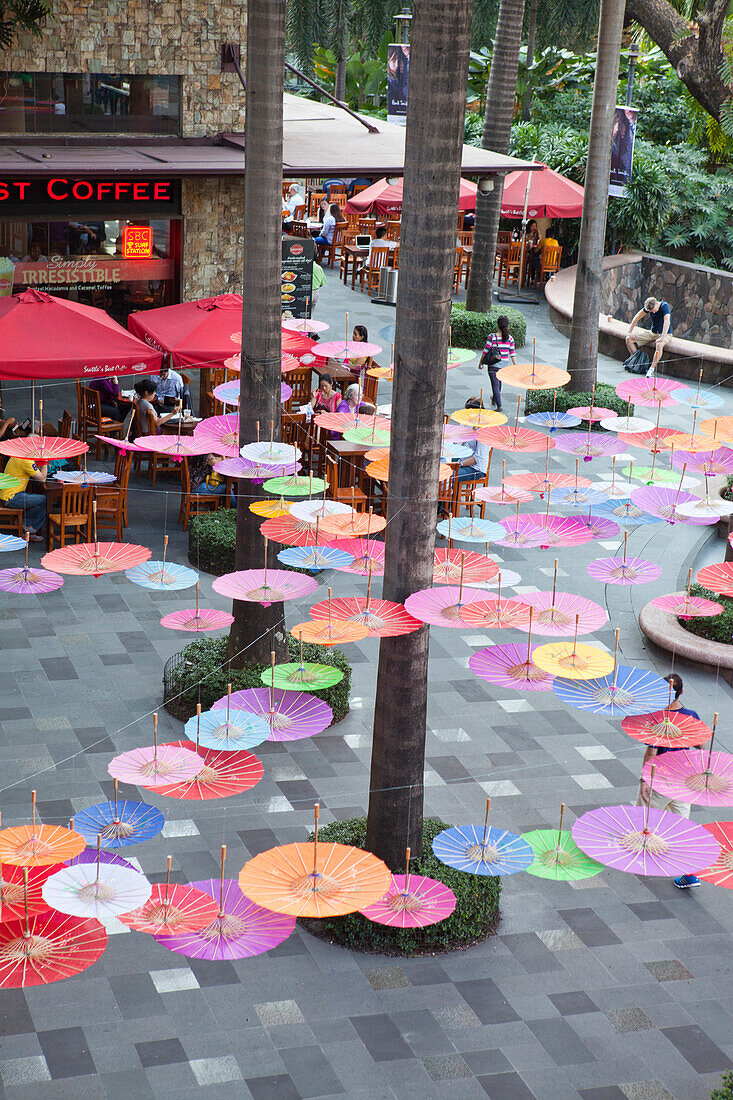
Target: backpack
column 638, row 362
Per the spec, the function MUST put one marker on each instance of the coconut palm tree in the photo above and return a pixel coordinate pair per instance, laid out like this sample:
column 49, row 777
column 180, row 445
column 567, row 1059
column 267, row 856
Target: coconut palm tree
column 438, row 74
column 583, row 348
column 257, row 630
column 497, row 131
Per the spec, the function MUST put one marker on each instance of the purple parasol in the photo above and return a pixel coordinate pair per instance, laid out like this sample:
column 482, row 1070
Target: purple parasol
column 645, row 841
column 291, row 715
column 29, row 580
column 521, row 533
column 589, row 445
column 510, row 666
column 623, row 569
column 240, row 929
column 252, row 471
column 665, row 504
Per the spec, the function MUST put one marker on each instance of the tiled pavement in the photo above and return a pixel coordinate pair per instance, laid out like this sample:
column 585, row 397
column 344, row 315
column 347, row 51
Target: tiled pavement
column 609, row 988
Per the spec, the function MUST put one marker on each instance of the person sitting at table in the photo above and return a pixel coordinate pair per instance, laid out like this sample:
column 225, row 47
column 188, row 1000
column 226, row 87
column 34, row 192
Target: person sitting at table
column 109, row 393
column 32, row 505
column 325, row 237
column 204, row 478
column 143, row 402
column 326, row 398
column 532, row 245
column 293, row 200
column 169, row 387
column 475, row 465
column 353, row 395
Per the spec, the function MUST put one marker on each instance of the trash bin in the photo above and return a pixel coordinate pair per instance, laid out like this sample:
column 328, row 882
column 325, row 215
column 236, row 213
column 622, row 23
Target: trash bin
column 387, row 293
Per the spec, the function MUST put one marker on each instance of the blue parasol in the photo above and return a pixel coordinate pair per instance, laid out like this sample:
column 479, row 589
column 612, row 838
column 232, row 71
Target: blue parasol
column 227, row 730
column 470, row 529
column 483, row 850
column 11, row 542
column 625, row 691
column 315, row 558
column 626, row 513
column 553, row 420
column 579, row 497
column 119, row 824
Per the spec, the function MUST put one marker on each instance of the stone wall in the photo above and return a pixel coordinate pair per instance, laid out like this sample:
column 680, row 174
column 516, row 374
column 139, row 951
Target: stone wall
column 213, row 209
column 146, row 37
column 701, row 298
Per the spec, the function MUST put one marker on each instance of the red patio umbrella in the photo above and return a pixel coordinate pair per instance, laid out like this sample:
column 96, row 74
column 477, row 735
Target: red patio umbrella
column 46, row 337
column 199, row 333
column 386, row 198
column 550, row 195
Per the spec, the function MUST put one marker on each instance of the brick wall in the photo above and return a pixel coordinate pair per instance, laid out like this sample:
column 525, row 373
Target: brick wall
column 213, row 210
column 155, row 37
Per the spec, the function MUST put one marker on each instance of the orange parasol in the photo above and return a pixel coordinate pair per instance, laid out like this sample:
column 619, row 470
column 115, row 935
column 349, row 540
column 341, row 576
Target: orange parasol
column 353, row 526
column 718, row 427
column 533, row 376
column 295, row 532
column 314, row 879
column 379, row 470
column 330, row 631
column 37, row 845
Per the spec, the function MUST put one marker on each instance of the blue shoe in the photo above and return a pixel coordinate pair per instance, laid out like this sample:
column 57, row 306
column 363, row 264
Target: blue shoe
column 684, row 882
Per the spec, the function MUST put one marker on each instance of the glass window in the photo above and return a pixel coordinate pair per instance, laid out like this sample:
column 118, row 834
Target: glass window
column 82, row 260
column 89, row 103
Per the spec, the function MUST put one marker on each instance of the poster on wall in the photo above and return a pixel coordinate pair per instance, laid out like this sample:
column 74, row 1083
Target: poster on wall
column 297, row 277
column 622, row 150
column 55, row 273
column 398, row 71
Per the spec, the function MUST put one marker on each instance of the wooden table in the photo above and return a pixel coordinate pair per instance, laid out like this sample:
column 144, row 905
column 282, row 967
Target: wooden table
column 351, row 252
column 339, row 374
column 350, row 458
column 187, row 426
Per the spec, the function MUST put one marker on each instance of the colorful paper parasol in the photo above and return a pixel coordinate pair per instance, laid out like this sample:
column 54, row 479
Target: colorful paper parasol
column 290, row 715
column 155, row 765
column 311, row 510
column 340, row 422
column 366, row 554
column 223, row 774
column 37, row 845
column 449, row 565
column 553, row 420
column 20, row 889
column 533, row 376
column 513, row 438
column 625, row 512
column 295, row 485
column 592, row 413
column 92, row 559
column 699, row 776
column 172, row 910
column 494, row 613
column 240, row 929
column 382, row 618
column 411, row 901
column 377, row 437
column 270, row 509
column 718, row 427
column 482, row 850
column 653, row 440
column 720, row 873
column 579, row 498
column 162, row 576
column 118, row 824
column 709, row 463
column 347, row 349
column 718, row 578
column 295, row 324
column 315, row 558
column 502, row 494
column 707, row 509
column 469, row 529
column 29, row 581
column 510, row 666
column 556, row 614
column 252, row 471
column 220, row 434
column 627, row 691
column 9, row 482
column 42, row 448
column 645, row 841
column 623, row 569
column 99, row 890
column 90, row 855
column 443, row 606
column 520, row 533
column 353, row 525
column 123, row 445
column 666, row 504
column 685, row 606
column 302, row 675
column 314, row 879
column 649, row 392
column 178, row 446
column 669, row 729
column 540, row 483
column 456, row 433
column 559, row 530
column 590, row 445
column 271, row 453
column 478, row 418
column 11, row 542
column 47, row 947
column 228, row 730
column 333, row 632
column 84, row 477
column 572, row 661
column 629, row 425
column 263, row 586
column 197, row 619
column 557, row 856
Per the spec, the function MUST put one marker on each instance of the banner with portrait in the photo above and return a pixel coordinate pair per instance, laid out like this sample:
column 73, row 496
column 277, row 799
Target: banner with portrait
column 622, row 150
column 398, row 71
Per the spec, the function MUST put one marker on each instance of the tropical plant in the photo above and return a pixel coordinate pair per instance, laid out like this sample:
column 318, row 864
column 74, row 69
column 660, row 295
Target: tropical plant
column 21, row 16
column 365, row 78
column 335, row 24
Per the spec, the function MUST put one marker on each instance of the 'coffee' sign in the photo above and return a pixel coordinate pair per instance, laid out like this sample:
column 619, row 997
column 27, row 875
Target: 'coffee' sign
column 71, row 192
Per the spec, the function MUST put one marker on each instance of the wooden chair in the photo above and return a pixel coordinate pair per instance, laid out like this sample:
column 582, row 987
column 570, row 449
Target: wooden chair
column 368, row 225
column 193, row 503
column 334, row 249
column 395, row 257
column 300, row 382
column 314, row 201
column 290, row 426
column 550, row 261
column 464, row 495
column 359, row 187
column 66, row 426
column 11, row 521
column 392, row 232
column 461, row 216
column 112, row 500
column 94, row 424
column 447, row 491
column 74, row 512
column 371, row 385
column 379, row 258
column 299, row 229
column 457, row 270
column 299, row 212
column 338, row 195
column 466, row 237
column 345, row 494
column 512, row 264
column 504, row 236
column 352, row 218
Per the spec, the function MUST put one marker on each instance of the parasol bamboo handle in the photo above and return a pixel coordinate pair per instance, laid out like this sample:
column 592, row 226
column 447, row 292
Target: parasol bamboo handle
column 615, row 657
column 26, row 930
column 407, row 870
column 33, row 810
column 99, row 855
column 554, row 582
column 486, row 822
column 559, row 831
column 266, row 545
column 316, row 815
column 529, row 635
column 115, row 784
column 169, row 862
column 272, row 668
column 369, row 585
column 155, row 734
column 221, row 880
column 712, row 739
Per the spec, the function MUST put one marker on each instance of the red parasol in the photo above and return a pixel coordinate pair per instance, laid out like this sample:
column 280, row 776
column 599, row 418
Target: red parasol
column 92, row 559
column 171, row 910
column 20, row 887
column 48, row 947
column 720, row 873
column 449, row 564
column 368, row 554
column 382, row 618
column 296, row 532
column 223, row 774
column 718, row 578
column 669, row 729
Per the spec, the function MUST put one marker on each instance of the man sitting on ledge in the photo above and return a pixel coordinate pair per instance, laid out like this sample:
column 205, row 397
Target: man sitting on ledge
column 658, row 334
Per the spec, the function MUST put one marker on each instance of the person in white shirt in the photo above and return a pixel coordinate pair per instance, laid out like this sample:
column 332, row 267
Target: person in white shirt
column 328, row 228
column 475, row 465
column 169, row 386
column 294, row 199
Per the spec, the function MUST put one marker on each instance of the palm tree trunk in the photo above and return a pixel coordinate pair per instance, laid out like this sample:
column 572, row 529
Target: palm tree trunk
column 583, row 349
column 497, row 132
column 342, row 53
column 438, row 75
column 258, row 630
column 531, row 34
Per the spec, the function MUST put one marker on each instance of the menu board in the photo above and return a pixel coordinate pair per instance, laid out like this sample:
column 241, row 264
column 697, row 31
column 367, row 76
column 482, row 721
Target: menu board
column 297, row 276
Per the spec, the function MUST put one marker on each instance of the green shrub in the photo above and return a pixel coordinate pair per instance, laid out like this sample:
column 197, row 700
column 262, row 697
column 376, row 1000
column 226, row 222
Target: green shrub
column 211, row 541
column 725, row 1092
column 472, row 330
column 473, row 919
column 606, row 397
column 728, row 490
column 716, row 628
column 206, row 660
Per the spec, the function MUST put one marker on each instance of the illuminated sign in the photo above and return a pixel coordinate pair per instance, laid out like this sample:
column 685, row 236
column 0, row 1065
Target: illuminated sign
column 72, row 192
column 137, row 242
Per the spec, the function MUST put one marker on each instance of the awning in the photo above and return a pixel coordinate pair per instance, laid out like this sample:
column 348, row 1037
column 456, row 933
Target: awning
column 318, row 140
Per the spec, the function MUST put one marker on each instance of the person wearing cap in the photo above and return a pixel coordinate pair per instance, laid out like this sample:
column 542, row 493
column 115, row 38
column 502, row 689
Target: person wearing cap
column 658, row 333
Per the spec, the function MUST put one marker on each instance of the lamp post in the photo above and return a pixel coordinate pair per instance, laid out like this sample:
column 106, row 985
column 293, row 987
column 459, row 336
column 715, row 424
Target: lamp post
column 634, row 52
column 402, row 23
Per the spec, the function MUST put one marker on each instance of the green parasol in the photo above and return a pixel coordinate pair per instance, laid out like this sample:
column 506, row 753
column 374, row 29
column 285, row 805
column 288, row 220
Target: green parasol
column 557, row 856
column 7, row 481
column 378, row 437
column 301, row 675
column 295, row 485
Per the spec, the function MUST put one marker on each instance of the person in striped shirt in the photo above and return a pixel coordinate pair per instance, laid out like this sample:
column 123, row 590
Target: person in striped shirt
column 503, row 341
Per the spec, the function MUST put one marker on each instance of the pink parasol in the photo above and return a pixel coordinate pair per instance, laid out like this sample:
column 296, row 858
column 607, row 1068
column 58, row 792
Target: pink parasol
column 699, row 776
column 685, row 606
column 178, row 446
column 450, row 565
column 720, row 873
column 555, row 613
column 87, row 559
column 623, row 569
column 508, row 437
column 295, row 324
column 155, row 765
column 652, row 441
column 502, row 494
column 649, row 392
column 42, row 448
column 559, row 530
column 589, row 445
column 382, row 618
column 219, row 434
column 710, row 463
column 645, row 841
column 457, row 433
column 665, row 504
column 261, row 586
column 412, row 901
column 521, row 533
column 443, row 606
column 368, row 554
column 197, row 619
column 511, row 666
column 124, row 445
column 291, row 715
column 541, row 483
column 592, row 413
column 239, row 930
column 669, row 729
column 347, row 349
column 341, row 422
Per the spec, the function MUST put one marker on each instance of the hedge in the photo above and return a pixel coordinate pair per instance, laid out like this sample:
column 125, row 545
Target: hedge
column 474, row 918
column 716, row 628
column 472, row 330
column 725, row 1092
column 605, row 397
column 212, row 539
column 206, row 660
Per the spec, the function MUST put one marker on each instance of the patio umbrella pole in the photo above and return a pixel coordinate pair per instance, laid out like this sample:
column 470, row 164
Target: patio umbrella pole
column 33, row 406
column 518, row 296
